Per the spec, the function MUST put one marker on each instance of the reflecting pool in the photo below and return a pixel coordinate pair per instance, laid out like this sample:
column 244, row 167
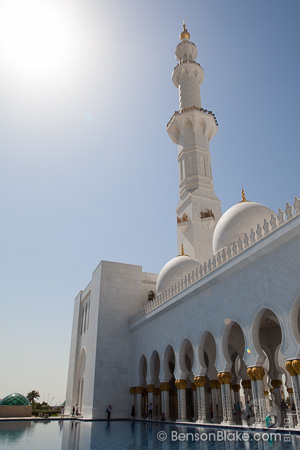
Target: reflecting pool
column 124, row 435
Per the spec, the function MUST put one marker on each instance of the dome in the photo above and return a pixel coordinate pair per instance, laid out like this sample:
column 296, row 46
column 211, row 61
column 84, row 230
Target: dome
column 14, row 400
column 238, row 220
column 172, row 272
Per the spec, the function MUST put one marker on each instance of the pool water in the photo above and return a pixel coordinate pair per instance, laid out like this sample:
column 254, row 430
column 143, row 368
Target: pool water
column 123, row 435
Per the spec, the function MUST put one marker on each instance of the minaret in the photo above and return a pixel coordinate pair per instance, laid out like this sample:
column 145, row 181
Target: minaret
column 192, row 128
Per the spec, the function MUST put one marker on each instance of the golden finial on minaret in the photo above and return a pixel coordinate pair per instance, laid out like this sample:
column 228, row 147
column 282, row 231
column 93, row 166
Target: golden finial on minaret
column 184, row 34
column 243, row 196
column 182, row 250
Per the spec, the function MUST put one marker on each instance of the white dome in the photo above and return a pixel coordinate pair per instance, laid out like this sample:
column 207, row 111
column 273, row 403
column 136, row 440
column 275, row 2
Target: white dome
column 238, row 220
column 172, row 272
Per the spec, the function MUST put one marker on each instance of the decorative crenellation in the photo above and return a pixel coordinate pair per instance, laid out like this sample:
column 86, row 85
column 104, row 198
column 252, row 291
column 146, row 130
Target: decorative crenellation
column 192, row 108
column 223, row 256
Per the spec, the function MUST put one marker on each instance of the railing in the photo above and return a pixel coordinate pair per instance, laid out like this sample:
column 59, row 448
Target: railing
column 187, row 62
column 223, row 256
column 192, row 108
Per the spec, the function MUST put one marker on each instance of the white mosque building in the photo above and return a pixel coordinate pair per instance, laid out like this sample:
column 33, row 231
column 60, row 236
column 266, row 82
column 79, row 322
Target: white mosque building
column 220, row 323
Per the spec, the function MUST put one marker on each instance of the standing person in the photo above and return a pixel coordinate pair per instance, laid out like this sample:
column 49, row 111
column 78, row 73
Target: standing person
column 150, row 409
column 108, row 411
column 133, row 412
column 73, row 410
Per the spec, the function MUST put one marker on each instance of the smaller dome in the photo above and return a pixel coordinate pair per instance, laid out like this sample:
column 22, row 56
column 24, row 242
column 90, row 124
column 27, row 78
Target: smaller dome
column 15, row 400
column 172, row 272
column 238, row 220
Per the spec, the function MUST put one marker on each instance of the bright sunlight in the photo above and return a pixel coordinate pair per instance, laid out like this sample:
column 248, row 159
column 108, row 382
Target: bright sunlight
column 39, row 41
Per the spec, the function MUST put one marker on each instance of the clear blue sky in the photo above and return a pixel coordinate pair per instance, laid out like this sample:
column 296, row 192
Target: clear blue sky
column 88, row 171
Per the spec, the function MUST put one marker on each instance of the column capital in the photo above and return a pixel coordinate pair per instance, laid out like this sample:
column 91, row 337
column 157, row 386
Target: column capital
column 180, row 384
column 236, row 387
column 255, row 373
column 213, row 383
column 132, row 390
column 290, row 390
column 157, row 391
column 200, row 381
column 296, row 366
column 276, row 384
column 224, row 377
column 289, row 367
column 139, row 389
column 150, row 387
column 246, row 384
column 165, row 386
column 250, row 374
column 266, row 393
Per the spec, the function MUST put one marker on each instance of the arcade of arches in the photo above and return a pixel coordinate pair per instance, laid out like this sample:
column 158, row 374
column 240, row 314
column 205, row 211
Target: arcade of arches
column 185, row 385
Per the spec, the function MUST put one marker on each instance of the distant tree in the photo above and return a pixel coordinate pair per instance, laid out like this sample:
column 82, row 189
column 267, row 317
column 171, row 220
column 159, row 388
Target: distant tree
column 32, row 396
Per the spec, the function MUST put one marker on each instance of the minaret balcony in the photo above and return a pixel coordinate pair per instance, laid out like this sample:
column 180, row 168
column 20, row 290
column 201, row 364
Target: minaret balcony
column 199, row 119
column 187, row 69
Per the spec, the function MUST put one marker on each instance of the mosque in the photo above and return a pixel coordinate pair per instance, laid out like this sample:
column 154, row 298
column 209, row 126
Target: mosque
column 220, row 323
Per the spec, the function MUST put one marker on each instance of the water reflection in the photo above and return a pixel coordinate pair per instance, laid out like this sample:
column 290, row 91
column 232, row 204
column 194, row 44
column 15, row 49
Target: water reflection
column 12, row 431
column 123, row 435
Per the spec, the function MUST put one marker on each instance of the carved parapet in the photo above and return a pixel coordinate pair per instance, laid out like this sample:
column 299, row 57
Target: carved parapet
column 180, row 384
column 288, row 212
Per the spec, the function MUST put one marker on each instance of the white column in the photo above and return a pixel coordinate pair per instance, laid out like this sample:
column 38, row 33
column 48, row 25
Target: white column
column 214, row 402
column 165, row 402
column 195, row 402
column 139, row 398
column 223, row 404
column 293, row 368
column 261, row 401
column 200, row 383
column 228, row 401
column 255, row 401
column 181, row 396
column 219, row 402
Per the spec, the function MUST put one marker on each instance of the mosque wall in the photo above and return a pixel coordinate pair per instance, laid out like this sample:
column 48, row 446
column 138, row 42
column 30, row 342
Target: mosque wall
column 269, row 282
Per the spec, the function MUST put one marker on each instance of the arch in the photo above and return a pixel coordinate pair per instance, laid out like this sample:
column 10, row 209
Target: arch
column 186, row 359
column 167, row 373
column 151, row 296
column 295, row 320
column 265, row 315
column 208, row 354
column 154, row 368
column 233, row 341
column 187, row 126
column 143, row 371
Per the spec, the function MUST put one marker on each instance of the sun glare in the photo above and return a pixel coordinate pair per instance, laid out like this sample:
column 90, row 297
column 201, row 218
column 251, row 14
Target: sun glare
column 38, row 41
